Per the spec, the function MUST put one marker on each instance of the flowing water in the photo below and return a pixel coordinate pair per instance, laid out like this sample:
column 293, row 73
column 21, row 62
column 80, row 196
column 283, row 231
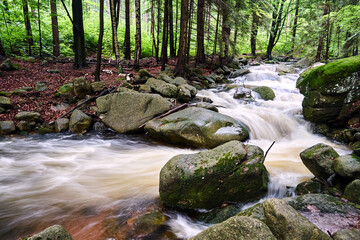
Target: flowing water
column 93, row 184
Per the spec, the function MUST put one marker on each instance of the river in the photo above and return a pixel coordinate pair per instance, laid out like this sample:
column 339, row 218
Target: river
column 92, row 184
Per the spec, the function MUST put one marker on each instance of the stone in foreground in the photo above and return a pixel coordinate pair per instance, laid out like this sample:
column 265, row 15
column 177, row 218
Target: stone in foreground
column 55, row 232
column 231, row 172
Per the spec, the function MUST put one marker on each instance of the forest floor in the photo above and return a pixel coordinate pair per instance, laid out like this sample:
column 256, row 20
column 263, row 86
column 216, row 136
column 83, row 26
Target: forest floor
column 31, row 71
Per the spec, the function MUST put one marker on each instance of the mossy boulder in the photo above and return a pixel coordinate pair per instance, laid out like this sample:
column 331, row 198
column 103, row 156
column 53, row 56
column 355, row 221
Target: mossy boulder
column 162, row 88
column 286, row 223
column 319, row 160
column 52, row 233
column 40, row 86
column 256, row 211
column 82, row 87
column 61, row 124
column 230, row 172
column 79, row 122
column 330, row 90
column 265, row 93
column 143, row 73
column 7, row 65
column 186, row 93
column 144, row 225
column 125, row 112
column 5, row 103
column 347, row 234
column 98, row 86
column 7, row 127
column 348, row 166
column 28, row 116
column 237, row 228
column 197, row 127
column 207, row 106
column 239, row 73
column 309, row 187
column 352, row 191
column 242, row 93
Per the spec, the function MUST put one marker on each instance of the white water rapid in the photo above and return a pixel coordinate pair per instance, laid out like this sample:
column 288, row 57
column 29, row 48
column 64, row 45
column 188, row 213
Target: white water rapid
column 92, row 183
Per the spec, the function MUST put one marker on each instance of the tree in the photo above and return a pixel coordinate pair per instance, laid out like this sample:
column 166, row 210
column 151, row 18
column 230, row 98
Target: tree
column 114, row 33
column 165, row 36
column 171, row 29
column 155, row 40
column 295, row 24
column 324, row 29
column 29, row 37
column 78, row 32
column 127, row 31
column 255, row 22
column 2, row 50
column 180, row 66
column 101, row 34
column 39, row 22
column 225, row 31
column 137, row 35
column 55, row 28
column 200, row 54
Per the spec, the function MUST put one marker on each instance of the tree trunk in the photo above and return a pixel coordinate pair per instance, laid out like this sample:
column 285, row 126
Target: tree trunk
column 189, row 31
column 55, row 28
column 176, row 24
column 158, row 32
column 275, row 26
column 101, row 34
column 78, row 31
column 2, row 50
column 254, row 31
column 29, row 37
column 208, row 24
column 226, row 32
column 114, row 33
column 216, row 34
column 328, row 37
column 153, row 31
column 127, row 31
column 180, row 66
column 137, row 35
column 165, row 35
column 171, row 29
column 322, row 33
column 39, row 22
column 200, row 55
column 295, row 25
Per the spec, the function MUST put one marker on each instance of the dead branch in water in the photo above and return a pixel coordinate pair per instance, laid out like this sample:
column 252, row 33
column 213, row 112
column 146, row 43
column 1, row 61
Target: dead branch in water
column 269, row 149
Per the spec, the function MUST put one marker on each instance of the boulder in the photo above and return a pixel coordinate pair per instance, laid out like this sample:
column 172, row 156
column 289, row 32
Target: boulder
column 7, row 65
column 54, row 71
column 186, row 92
column 256, row 211
column 98, row 86
column 79, row 122
column 82, row 87
column 143, row 73
column 24, row 126
column 61, row 124
column 347, row 234
column 304, row 62
column 53, row 232
column 237, row 228
column 239, row 72
column 144, row 225
column 282, row 68
column 227, row 70
column 125, row 112
column 319, row 160
column 144, row 88
column 163, row 88
column 348, row 166
column 330, row 90
column 5, row 102
column 244, row 61
column 352, row 191
column 207, row 106
column 309, row 187
column 231, row 172
column 286, row 223
column 40, row 87
column 265, row 93
column 197, row 127
column 179, row 81
column 242, row 92
column 7, row 127
column 28, row 116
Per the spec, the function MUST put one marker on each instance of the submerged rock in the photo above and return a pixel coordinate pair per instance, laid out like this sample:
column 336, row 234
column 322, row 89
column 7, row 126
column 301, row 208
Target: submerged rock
column 265, row 93
column 197, row 127
column 231, row 172
column 55, row 232
column 239, row 73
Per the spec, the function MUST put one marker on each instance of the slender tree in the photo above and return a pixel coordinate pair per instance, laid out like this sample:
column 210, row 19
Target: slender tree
column 78, row 32
column 165, row 35
column 155, row 43
column 137, row 35
column 39, row 24
column 200, row 55
column 2, row 50
column 114, row 33
column 297, row 6
column 225, row 31
column 171, row 29
column 322, row 36
column 189, row 31
column 216, row 34
column 55, row 28
column 255, row 21
column 127, row 31
column 101, row 34
column 180, row 66
column 29, row 37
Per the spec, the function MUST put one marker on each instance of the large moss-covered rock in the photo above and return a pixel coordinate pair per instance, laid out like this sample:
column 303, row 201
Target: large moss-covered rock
column 330, row 90
column 5, row 102
column 230, row 172
column 28, row 116
column 55, row 232
column 265, row 93
column 82, row 87
column 236, row 228
column 286, row 223
column 256, row 211
column 7, row 65
column 125, row 112
column 79, row 122
column 348, row 166
column 163, row 88
column 7, row 127
column 319, row 160
column 186, row 92
column 308, row 187
column 347, row 234
column 352, row 191
column 197, row 127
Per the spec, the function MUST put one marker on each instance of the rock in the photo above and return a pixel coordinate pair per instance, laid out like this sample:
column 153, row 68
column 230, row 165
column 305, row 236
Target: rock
column 24, row 126
column 44, row 130
column 236, row 228
column 7, row 65
column 44, row 63
column 203, row 99
column 7, row 127
column 218, row 214
column 308, row 187
column 197, row 127
column 125, row 89
column 352, row 191
column 125, row 112
column 144, row 88
column 219, row 71
column 163, row 76
column 40, row 87
column 61, row 124
column 163, row 88
column 330, row 90
column 186, row 93
column 59, row 107
column 239, row 73
column 286, row 223
column 144, row 225
column 227, row 173
column 99, row 126
column 98, row 86
column 319, row 160
column 265, row 93
column 28, row 116
column 207, row 106
column 227, row 70
column 347, row 234
column 304, row 62
column 348, row 166
column 143, row 73
column 282, row 68
column 79, row 122
column 242, row 92
column 256, row 211
column 67, row 88
column 5, row 103
column 179, row 81
column 55, row 232
column 81, row 87
column 54, row 71
column 243, row 61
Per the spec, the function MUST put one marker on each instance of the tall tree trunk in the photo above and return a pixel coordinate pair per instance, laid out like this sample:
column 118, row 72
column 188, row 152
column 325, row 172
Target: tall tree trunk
column 176, row 24
column 208, row 24
column 226, row 32
column 180, row 66
column 165, row 35
column 158, row 32
column 78, row 31
column 171, row 29
column 323, row 32
column 114, row 33
column 55, row 28
column 295, row 25
column 328, row 37
column 137, row 35
column 29, row 37
column 127, row 31
column 200, row 54
column 101, row 34
column 153, row 31
column 275, row 26
column 2, row 50
column 254, row 31
column 39, row 22
column 216, row 34
column 189, row 31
